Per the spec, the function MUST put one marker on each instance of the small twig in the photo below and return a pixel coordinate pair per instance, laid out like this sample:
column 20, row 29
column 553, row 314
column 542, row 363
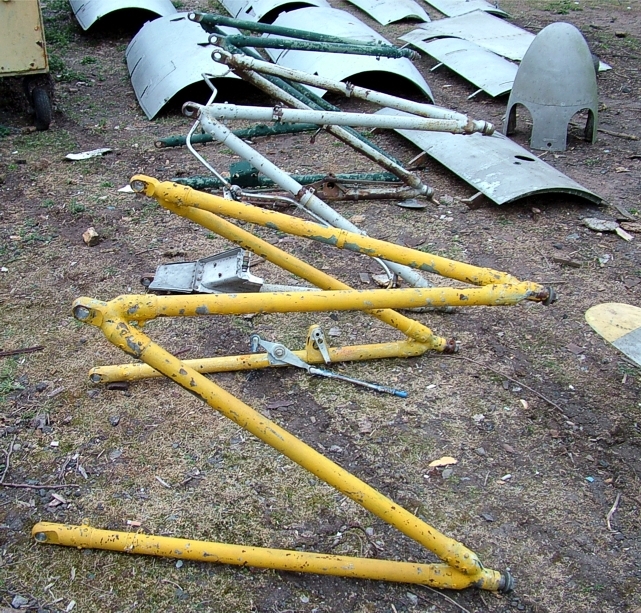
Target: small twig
column 54, row 393
column 612, row 511
column 163, row 482
column 38, row 487
column 547, row 262
column 172, row 583
column 4, row 354
column 619, row 134
column 498, row 372
column 8, row 456
column 456, row 604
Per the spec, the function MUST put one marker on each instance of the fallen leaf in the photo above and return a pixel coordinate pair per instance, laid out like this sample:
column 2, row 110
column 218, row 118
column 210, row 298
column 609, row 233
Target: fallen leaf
column 381, row 280
column 413, row 241
column 509, row 448
column 444, row 461
column 575, row 349
column 621, row 169
column 365, row 427
column 358, row 219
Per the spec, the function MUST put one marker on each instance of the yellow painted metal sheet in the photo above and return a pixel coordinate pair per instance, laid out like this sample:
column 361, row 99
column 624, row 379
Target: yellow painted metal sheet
column 22, row 46
column 619, row 324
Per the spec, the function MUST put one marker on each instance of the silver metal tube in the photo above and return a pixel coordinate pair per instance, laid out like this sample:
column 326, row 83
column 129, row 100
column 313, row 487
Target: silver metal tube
column 306, row 197
column 244, row 62
column 322, row 118
column 341, row 134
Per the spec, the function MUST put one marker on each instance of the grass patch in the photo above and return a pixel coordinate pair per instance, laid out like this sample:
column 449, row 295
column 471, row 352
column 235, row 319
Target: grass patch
column 8, row 371
column 563, row 7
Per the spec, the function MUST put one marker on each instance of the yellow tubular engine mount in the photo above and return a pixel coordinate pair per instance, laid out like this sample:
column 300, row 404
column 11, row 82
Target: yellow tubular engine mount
column 120, row 319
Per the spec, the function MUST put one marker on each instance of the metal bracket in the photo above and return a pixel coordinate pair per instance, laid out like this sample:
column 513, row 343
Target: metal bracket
column 316, row 337
column 226, row 272
column 279, row 355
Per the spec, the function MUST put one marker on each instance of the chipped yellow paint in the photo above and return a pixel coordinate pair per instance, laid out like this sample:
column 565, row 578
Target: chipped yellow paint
column 434, row 575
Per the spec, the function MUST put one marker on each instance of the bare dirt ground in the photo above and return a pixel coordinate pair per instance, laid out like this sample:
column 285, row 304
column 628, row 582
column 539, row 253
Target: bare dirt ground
column 570, row 459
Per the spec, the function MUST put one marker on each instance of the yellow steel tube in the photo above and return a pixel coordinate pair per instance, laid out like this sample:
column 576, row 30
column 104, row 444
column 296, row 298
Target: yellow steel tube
column 135, row 343
column 410, row 327
column 252, row 361
column 182, row 195
column 434, row 575
column 144, row 307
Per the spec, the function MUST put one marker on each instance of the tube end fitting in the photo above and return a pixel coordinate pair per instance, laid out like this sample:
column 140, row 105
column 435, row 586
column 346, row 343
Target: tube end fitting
column 552, row 297
column 506, row 583
column 488, row 129
column 451, row 346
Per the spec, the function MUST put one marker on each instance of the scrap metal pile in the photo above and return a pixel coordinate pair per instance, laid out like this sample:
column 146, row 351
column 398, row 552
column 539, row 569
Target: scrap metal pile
column 303, row 67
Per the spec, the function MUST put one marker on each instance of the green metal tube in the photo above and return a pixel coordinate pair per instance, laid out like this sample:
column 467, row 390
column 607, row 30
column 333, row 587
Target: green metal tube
column 206, row 182
column 306, row 96
column 238, row 40
column 247, row 133
column 209, row 21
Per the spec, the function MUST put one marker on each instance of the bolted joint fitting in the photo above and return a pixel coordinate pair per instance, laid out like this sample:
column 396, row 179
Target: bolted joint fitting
column 451, row 346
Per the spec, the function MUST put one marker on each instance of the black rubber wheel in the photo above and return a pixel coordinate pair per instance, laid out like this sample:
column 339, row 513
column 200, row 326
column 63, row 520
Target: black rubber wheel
column 42, row 106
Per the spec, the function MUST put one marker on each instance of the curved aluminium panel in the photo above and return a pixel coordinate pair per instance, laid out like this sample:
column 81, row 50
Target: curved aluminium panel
column 490, row 72
column 488, row 31
column 167, row 55
column 257, row 9
column 87, row 12
column 483, row 29
column 453, row 8
column 494, row 165
column 336, row 65
column 388, row 11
